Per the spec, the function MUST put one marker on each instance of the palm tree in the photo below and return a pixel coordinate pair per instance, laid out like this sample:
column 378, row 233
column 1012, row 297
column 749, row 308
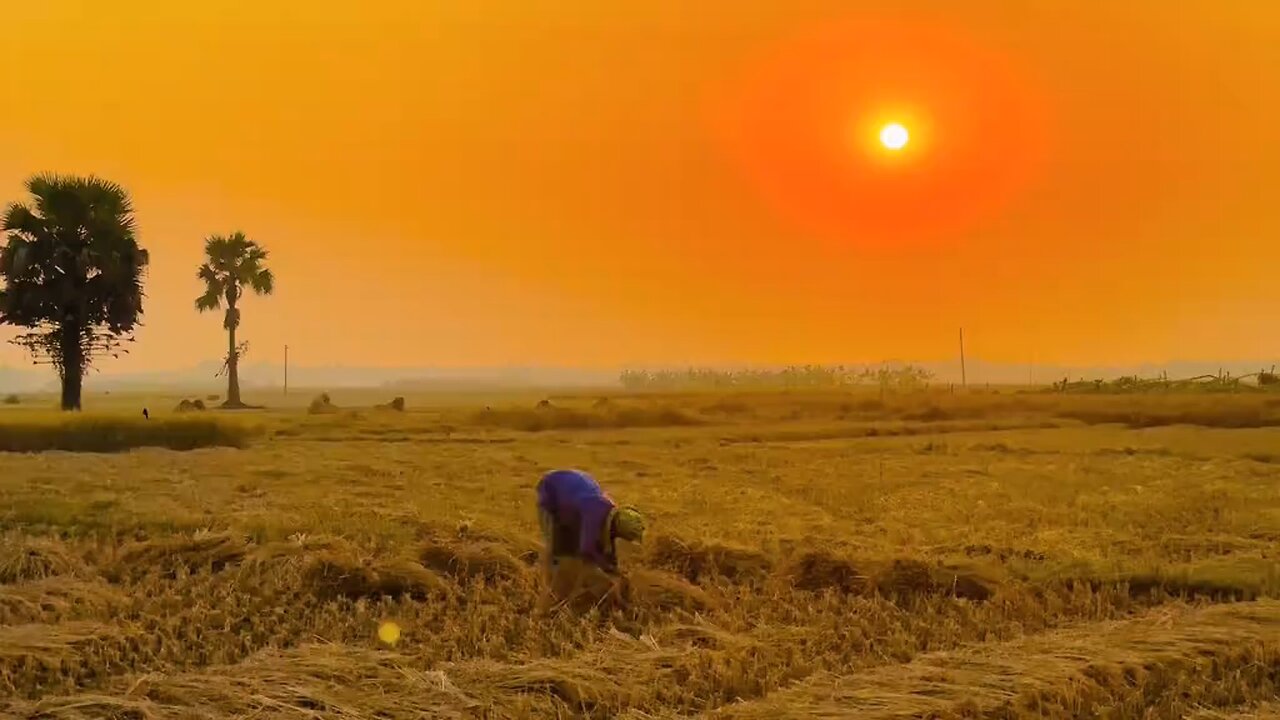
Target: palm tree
column 73, row 274
column 232, row 265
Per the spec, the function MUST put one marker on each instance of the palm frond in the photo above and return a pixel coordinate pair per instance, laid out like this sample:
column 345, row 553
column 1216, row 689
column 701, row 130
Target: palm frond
column 72, row 252
column 263, row 282
column 209, row 275
column 234, row 262
column 19, row 218
column 209, row 301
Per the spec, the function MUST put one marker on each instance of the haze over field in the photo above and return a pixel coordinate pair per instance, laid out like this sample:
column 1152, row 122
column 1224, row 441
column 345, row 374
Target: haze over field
column 565, row 184
column 271, row 376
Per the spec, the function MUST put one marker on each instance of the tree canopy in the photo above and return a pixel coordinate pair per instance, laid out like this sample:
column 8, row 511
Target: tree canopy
column 73, row 273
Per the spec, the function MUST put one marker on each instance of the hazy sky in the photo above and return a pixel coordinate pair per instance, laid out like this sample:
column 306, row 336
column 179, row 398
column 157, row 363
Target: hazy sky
column 593, row 183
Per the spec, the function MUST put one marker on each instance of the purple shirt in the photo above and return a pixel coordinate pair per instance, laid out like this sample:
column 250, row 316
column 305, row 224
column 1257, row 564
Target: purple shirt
column 575, row 499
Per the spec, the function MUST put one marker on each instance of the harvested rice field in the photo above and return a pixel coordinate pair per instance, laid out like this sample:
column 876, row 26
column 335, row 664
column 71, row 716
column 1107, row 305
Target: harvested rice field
column 809, row 555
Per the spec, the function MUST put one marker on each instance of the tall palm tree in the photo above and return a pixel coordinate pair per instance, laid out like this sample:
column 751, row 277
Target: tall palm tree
column 233, row 264
column 73, row 274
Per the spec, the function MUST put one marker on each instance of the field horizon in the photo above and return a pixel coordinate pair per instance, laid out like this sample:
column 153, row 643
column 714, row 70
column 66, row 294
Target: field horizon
column 267, row 378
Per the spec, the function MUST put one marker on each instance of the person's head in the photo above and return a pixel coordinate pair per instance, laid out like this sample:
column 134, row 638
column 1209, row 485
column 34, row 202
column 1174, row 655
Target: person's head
column 628, row 524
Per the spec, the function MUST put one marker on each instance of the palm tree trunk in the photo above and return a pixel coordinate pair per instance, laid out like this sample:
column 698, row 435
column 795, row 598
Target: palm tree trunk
column 72, row 364
column 233, row 368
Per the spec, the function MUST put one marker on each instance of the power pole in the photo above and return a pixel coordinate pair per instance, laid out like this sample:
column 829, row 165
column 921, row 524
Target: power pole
column 964, row 380
column 286, row 369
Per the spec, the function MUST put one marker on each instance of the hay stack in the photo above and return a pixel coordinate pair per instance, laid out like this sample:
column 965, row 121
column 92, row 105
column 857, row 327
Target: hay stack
column 967, row 582
column 466, row 560
column 322, row 404
column 581, row 588
column 54, row 598
column 818, row 570
column 186, row 405
column 696, row 560
column 662, row 591
column 170, row 556
column 24, row 558
column 276, row 556
column 906, row 579
column 330, row 575
column 396, row 404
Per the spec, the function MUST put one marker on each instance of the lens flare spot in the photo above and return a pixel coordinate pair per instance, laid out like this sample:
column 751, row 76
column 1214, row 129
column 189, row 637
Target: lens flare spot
column 389, row 632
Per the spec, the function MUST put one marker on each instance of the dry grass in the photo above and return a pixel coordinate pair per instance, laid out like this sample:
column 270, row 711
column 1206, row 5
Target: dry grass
column 32, row 432
column 1260, row 711
column 1248, row 411
column 1159, row 665
column 31, row 558
column 58, row 598
column 831, row 554
column 552, row 417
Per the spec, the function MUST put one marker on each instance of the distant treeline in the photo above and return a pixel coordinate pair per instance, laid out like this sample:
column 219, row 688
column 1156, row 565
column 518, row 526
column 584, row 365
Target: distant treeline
column 905, row 377
column 1221, row 382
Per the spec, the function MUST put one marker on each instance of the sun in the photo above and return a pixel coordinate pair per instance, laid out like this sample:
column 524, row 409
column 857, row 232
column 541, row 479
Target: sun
column 894, row 136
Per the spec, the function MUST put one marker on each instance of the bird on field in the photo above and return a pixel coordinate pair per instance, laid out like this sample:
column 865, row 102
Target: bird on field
column 145, row 415
column 579, row 520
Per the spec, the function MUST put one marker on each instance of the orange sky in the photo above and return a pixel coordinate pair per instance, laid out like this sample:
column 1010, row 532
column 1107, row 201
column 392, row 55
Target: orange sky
column 585, row 183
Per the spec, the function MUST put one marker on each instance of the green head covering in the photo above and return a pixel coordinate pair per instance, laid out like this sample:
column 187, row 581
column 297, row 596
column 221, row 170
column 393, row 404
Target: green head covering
column 629, row 524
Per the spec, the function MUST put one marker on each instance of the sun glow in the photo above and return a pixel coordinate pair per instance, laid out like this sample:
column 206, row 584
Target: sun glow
column 894, row 136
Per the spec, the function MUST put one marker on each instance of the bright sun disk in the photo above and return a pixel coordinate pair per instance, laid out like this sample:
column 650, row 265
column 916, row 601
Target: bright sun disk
column 894, row 136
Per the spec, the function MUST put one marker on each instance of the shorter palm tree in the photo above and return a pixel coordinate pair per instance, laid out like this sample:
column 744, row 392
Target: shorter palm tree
column 232, row 264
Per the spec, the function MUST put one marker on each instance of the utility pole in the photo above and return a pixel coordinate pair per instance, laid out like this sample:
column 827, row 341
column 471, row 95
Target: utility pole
column 286, row 369
column 964, row 380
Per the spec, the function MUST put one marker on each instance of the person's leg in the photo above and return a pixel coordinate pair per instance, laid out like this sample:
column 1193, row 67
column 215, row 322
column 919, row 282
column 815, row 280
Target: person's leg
column 547, row 523
column 556, row 549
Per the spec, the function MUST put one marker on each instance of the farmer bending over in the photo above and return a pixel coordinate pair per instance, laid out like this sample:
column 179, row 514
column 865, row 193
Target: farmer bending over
column 580, row 520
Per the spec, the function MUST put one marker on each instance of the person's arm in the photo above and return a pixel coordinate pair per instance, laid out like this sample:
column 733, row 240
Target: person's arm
column 589, row 545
